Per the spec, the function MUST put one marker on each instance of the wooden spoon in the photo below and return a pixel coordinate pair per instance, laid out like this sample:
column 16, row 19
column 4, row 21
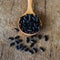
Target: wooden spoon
column 29, row 11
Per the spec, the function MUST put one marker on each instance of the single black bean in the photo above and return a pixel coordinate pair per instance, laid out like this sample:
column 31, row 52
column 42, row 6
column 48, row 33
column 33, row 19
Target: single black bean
column 31, row 51
column 34, row 41
column 33, row 28
column 29, row 31
column 17, row 29
column 28, row 40
column 39, row 36
column 42, row 49
column 32, row 44
column 17, row 37
column 17, row 47
column 46, row 37
column 18, row 41
column 35, row 49
column 26, row 49
column 12, row 44
column 33, row 18
column 23, row 47
column 11, row 38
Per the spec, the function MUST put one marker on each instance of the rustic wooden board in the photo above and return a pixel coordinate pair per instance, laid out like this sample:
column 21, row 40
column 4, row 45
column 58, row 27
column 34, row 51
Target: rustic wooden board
column 49, row 12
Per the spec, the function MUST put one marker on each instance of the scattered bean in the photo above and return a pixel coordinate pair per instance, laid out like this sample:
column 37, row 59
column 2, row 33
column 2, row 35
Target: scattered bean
column 26, row 49
column 17, row 29
column 18, row 41
column 11, row 38
column 31, row 51
column 12, row 44
column 35, row 50
column 28, row 40
column 32, row 44
column 46, row 37
column 42, row 49
column 17, row 37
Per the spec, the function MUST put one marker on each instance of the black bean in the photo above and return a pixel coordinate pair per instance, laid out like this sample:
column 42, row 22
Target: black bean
column 11, row 38
column 34, row 41
column 12, row 44
column 23, row 47
column 42, row 49
column 33, row 18
column 18, row 41
column 28, row 40
column 17, row 47
column 32, row 44
column 46, row 37
column 26, row 49
column 17, row 29
column 35, row 49
column 17, row 37
column 31, row 51
column 29, row 31
column 39, row 36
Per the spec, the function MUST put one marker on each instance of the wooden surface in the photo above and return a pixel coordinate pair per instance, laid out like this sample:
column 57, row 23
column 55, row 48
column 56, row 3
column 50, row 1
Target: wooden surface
column 49, row 12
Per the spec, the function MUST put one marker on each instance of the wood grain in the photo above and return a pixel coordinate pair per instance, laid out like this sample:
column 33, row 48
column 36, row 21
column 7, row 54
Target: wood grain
column 49, row 13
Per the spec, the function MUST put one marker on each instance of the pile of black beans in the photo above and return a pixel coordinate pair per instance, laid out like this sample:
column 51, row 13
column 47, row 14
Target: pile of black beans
column 29, row 23
column 18, row 43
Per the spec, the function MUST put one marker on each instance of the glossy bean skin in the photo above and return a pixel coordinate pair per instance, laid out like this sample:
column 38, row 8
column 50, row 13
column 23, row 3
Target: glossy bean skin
column 12, row 44
column 31, row 51
column 17, row 37
column 11, row 38
column 18, row 41
column 46, row 37
column 23, row 47
column 28, row 40
column 42, row 49
column 35, row 50
column 32, row 44
column 16, row 29
column 18, row 47
column 26, row 49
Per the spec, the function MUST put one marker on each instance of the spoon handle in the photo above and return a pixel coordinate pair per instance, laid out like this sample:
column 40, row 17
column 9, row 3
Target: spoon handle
column 30, row 5
column 29, row 8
